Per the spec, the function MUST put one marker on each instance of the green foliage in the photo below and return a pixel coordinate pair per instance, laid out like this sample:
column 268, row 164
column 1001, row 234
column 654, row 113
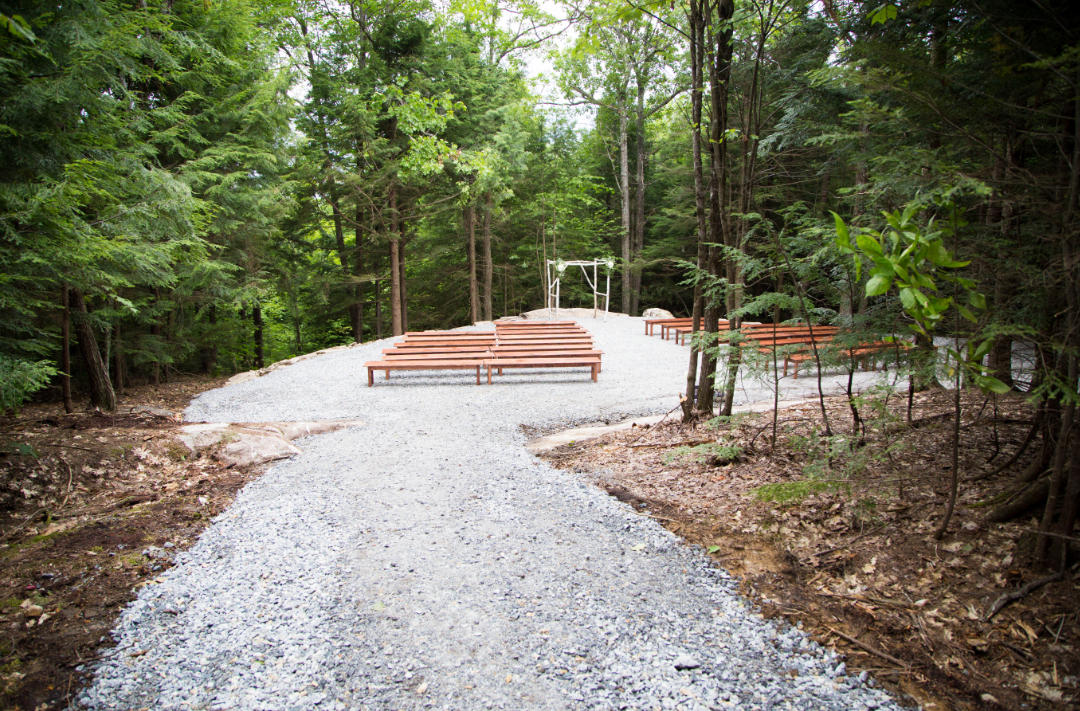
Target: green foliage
column 716, row 453
column 914, row 260
column 19, row 379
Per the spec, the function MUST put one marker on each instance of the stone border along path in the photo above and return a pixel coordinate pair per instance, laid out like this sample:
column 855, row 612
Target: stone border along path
column 427, row 560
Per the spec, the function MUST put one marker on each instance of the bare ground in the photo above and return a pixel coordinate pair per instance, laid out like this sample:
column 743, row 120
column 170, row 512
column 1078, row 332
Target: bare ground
column 82, row 496
column 851, row 557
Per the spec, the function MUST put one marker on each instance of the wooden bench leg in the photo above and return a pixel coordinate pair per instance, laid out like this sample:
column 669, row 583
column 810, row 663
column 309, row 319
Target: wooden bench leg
column 489, row 374
column 477, row 375
column 595, row 370
column 370, row 377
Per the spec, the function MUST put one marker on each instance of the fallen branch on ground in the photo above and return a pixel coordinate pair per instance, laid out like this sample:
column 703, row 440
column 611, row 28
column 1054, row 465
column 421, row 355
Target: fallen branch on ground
column 868, row 648
column 1023, row 592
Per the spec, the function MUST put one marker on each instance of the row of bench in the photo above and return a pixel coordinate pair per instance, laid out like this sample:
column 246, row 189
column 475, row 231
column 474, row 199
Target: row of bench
column 513, row 344
column 798, row 342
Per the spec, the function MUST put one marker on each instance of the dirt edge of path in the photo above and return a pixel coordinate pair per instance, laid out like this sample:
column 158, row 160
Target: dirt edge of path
column 856, row 566
column 92, row 508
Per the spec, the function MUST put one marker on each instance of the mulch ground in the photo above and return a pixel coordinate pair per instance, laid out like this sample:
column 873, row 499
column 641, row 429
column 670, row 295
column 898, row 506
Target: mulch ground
column 837, row 535
column 82, row 496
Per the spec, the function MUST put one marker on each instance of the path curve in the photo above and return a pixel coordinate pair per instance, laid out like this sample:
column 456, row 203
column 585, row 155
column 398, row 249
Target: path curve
column 427, row 560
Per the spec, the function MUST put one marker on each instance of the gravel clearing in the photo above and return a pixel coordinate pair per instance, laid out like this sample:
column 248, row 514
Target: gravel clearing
column 426, row 560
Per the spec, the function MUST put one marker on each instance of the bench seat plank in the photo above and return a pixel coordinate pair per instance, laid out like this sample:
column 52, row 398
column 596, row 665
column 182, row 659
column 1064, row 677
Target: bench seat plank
column 592, row 362
column 388, row 365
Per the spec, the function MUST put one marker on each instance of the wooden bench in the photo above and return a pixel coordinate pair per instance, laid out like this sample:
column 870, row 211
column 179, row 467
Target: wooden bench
column 591, row 362
column 583, row 335
column 418, row 364
column 652, row 323
column 533, row 324
column 682, row 332
column 499, row 354
column 867, row 352
column 441, row 349
column 410, row 355
column 404, row 345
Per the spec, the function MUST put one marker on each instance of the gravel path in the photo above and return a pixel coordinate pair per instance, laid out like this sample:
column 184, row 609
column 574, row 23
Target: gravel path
column 426, row 560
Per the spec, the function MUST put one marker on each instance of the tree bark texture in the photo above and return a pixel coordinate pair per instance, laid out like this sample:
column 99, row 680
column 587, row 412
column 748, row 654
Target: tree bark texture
column 697, row 41
column 257, row 322
column 488, row 266
column 638, row 241
column 470, row 241
column 624, row 185
column 102, row 394
column 210, row 351
column 356, row 308
column 65, row 349
column 395, row 267
column 403, row 286
column 719, row 53
column 118, row 359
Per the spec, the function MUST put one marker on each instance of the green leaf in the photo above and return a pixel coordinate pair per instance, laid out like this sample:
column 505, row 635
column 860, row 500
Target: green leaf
column 714, row 549
column 842, row 231
column 966, row 313
column 878, row 284
column 983, row 348
column 987, row 382
column 977, row 300
column 907, row 298
column 19, row 27
column 869, row 245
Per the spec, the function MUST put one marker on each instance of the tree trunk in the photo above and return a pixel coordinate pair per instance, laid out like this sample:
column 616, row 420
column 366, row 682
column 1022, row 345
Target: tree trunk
column 118, row 359
column 470, row 241
column 257, row 320
column 343, row 260
column 102, row 394
column 1031, row 496
column 697, row 46
column 356, row 309
column 719, row 80
column 624, row 176
column 488, row 267
column 65, row 350
column 395, row 267
column 639, row 198
column 210, row 351
column 403, row 287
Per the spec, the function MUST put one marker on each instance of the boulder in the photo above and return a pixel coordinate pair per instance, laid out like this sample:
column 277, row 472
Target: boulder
column 657, row 313
column 250, row 449
column 252, row 443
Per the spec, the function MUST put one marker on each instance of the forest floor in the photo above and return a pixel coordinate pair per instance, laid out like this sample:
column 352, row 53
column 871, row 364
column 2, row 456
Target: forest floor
column 92, row 507
column 851, row 558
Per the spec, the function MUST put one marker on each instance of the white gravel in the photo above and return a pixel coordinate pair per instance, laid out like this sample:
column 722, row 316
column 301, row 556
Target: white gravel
column 427, row 560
